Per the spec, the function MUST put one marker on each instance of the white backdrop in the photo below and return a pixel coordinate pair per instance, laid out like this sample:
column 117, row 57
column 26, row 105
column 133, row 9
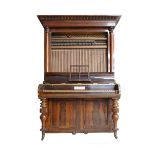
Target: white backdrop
column 21, row 66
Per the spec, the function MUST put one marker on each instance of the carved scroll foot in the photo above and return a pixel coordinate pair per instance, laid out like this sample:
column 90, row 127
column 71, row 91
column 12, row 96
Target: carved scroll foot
column 115, row 116
column 43, row 116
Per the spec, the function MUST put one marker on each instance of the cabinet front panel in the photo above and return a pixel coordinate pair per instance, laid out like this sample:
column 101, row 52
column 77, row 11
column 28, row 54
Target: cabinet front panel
column 98, row 115
column 81, row 115
column 62, row 114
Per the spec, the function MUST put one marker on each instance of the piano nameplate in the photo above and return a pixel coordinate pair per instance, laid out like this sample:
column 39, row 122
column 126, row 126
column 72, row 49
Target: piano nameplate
column 79, row 87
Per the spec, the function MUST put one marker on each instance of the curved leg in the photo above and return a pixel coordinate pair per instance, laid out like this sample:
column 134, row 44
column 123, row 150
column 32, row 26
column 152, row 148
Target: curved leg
column 115, row 116
column 43, row 116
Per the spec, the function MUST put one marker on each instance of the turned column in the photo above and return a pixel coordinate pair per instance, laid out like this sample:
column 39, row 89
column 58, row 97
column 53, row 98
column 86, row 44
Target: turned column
column 46, row 49
column 43, row 116
column 111, row 36
column 115, row 116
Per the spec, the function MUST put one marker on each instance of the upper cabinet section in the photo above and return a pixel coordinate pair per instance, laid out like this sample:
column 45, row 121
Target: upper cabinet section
column 62, row 21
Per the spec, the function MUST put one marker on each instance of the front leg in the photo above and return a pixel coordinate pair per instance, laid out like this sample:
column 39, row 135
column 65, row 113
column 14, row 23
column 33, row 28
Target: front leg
column 43, row 116
column 115, row 116
column 43, row 135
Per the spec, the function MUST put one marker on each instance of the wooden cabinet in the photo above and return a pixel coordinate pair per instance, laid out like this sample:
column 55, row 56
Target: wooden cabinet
column 79, row 93
column 82, row 115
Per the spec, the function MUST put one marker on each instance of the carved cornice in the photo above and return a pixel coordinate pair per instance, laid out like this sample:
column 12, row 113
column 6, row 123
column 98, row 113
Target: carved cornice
column 55, row 21
column 76, row 17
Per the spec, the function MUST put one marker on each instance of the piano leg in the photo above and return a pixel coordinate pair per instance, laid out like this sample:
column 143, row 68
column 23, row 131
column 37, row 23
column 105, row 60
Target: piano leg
column 43, row 116
column 115, row 116
column 43, row 135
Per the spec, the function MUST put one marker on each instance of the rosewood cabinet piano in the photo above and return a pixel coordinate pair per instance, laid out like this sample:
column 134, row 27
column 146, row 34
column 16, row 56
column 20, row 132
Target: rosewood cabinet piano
column 79, row 93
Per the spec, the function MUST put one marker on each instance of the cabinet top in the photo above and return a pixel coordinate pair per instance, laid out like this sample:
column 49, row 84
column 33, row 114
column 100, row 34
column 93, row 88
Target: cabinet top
column 52, row 21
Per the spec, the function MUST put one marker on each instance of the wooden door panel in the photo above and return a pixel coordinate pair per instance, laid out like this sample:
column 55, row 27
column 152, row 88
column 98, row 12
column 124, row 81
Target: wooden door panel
column 80, row 116
column 98, row 115
column 62, row 114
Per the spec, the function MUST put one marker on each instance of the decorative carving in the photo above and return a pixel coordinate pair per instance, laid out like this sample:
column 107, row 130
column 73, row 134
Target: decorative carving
column 43, row 116
column 115, row 116
column 64, row 17
column 47, row 29
column 117, row 88
column 111, row 29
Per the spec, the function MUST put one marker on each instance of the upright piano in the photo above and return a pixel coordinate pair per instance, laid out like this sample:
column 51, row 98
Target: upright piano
column 79, row 93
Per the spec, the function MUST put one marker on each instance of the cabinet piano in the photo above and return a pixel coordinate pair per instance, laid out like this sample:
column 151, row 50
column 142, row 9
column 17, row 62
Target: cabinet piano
column 79, row 93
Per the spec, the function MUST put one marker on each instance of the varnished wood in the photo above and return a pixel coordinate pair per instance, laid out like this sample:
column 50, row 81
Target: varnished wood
column 43, row 116
column 79, row 93
column 79, row 24
column 108, row 53
column 79, row 17
column 82, row 115
column 46, row 49
column 57, row 77
column 111, row 49
column 78, row 30
column 115, row 116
